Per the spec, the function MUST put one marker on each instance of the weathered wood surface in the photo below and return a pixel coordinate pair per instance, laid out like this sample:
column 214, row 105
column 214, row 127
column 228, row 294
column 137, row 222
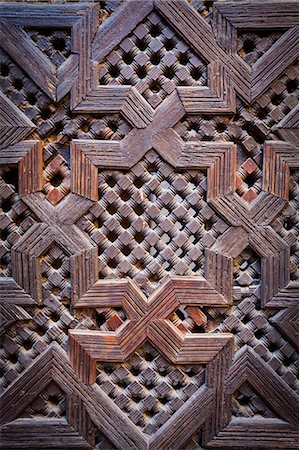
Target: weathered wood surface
column 149, row 185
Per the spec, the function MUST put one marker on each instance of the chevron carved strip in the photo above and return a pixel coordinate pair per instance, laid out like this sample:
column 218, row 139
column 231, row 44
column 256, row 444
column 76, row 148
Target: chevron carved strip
column 149, row 252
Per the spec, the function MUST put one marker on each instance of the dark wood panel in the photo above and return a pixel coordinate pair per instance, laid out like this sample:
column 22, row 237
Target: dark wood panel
column 149, row 185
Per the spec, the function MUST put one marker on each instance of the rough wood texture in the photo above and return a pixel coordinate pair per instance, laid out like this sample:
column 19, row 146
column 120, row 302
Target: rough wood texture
column 149, row 186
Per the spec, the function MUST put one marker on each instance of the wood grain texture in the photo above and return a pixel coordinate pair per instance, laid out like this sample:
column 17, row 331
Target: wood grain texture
column 287, row 321
column 230, row 18
column 92, row 345
column 280, row 157
column 249, row 14
column 274, row 62
column 288, row 127
column 249, row 366
column 14, row 125
column 11, row 292
column 19, row 44
column 74, row 73
column 149, row 255
column 219, row 97
column 28, row 156
column 27, row 252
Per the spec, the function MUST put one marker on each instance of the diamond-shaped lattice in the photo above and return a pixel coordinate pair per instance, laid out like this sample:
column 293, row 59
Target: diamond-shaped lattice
column 25, row 341
column 56, row 44
column 246, row 403
column 247, row 270
column 152, row 221
column 155, row 60
column 50, row 403
column 194, row 319
column 15, row 216
column 225, row 83
column 287, row 225
column 55, row 269
column 57, row 180
column 252, row 45
column 147, row 388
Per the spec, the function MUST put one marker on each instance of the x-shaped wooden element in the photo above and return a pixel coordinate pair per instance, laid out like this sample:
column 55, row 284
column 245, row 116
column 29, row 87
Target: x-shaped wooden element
column 248, row 82
column 158, row 133
column 219, row 159
column 57, row 226
column 153, row 128
column 51, row 366
column 147, row 320
column 28, row 156
column 251, row 227
column 99, row 411
column 139, row 141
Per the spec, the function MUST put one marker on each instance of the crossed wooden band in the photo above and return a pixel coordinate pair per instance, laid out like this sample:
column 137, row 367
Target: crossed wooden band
column 147, row 320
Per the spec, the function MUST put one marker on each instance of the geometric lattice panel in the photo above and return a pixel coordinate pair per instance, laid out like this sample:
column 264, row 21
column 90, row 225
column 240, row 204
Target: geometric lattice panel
column 149, row 190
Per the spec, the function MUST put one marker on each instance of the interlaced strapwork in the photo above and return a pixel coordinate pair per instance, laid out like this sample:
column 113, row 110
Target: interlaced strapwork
column 287, row 225
column 249, row 324
column 55, row 124
column 148, row 388
column 248, row 128
column 24, row 93
column 242, row 128
column 151, row 222
column 155, row 60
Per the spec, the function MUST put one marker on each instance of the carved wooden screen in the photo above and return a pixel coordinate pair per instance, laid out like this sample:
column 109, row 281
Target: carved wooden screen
column 150, row 201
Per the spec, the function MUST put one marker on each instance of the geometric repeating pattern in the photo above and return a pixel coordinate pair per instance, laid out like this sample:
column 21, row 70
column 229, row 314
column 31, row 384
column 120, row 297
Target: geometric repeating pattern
column 147, row 321
column 149, row 186
column 151, row 222
column 149, row 390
